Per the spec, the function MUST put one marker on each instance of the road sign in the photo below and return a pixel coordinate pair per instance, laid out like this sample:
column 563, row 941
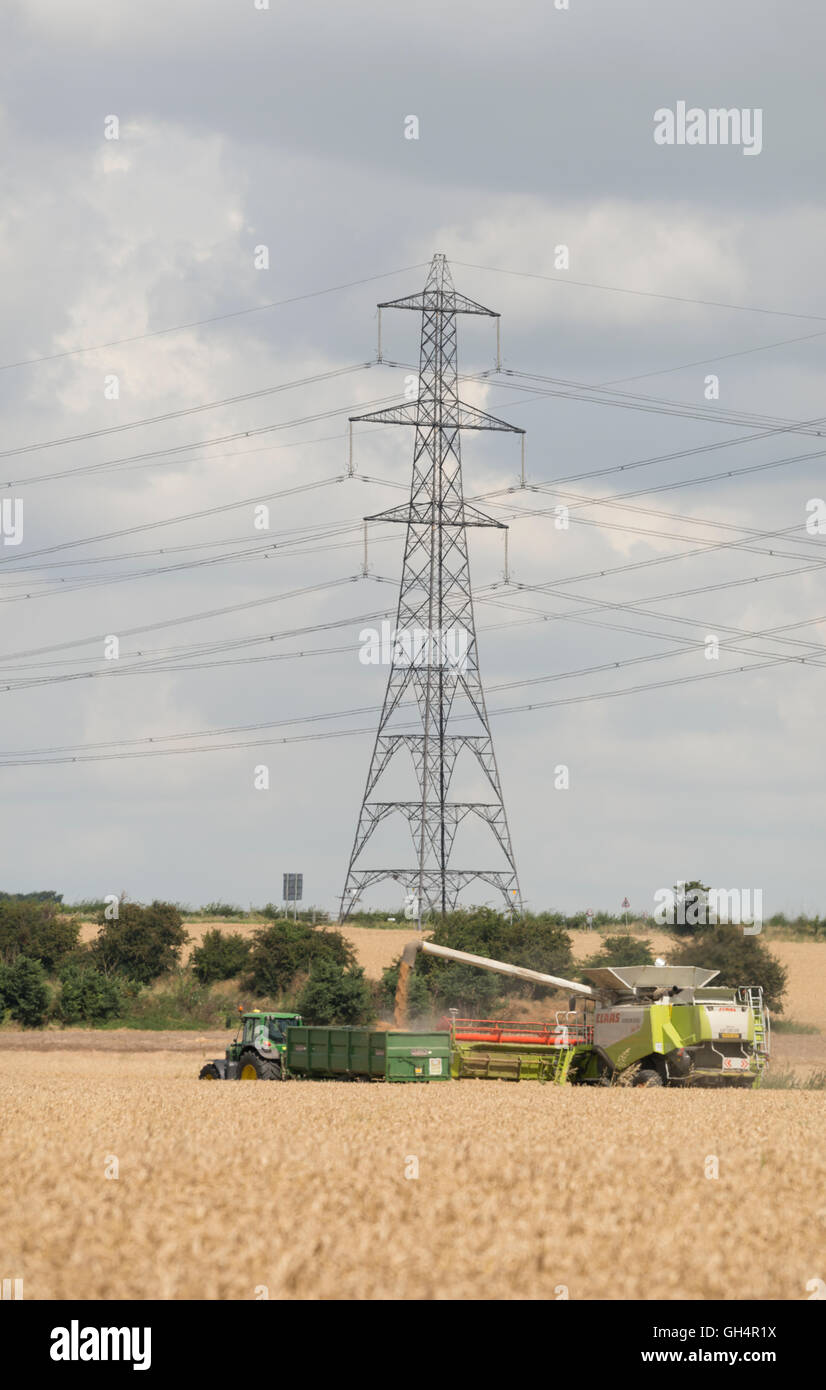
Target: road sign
column 293, row 888
column 625, row 904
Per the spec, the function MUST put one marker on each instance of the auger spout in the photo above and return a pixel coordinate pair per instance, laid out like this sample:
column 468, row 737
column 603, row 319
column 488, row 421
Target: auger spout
column 500, row 967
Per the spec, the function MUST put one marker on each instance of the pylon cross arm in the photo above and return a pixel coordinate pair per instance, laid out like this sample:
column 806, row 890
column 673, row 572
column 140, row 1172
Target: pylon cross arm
column 451, row 303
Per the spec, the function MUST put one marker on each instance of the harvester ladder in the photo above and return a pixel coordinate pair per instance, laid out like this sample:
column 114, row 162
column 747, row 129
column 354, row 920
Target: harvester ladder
column 755, row 999
column 557, row 1072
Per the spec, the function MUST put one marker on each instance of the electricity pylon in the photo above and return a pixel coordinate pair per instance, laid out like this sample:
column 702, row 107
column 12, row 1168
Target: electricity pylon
column 434, row 683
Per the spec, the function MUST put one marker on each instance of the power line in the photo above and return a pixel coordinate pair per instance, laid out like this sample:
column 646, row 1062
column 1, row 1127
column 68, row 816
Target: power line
column 214, row 318
column 24, row 760
column 152, row 454
column 704, row 548
column 627, row 400
column 156, row 655
column 721, row 357
column 644, row 294
column 186, row 618
column 177, row 520
column 596, row 606
column 189, row 410
column 552, row 485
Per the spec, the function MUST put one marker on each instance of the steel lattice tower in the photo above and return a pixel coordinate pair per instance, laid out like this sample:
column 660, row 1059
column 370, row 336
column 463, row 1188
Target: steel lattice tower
column 435, row 598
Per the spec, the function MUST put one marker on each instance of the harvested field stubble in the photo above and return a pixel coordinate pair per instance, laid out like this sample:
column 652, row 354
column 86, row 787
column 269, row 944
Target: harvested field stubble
column 301, row 1187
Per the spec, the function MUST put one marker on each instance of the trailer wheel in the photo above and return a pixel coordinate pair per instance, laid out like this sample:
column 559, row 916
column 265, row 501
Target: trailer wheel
column 255, row 1068
column 647, row 1077
column 209, row 1073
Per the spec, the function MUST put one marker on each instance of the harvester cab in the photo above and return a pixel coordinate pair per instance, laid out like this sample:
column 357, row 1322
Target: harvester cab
column 256, row 1053
column 667, row 1025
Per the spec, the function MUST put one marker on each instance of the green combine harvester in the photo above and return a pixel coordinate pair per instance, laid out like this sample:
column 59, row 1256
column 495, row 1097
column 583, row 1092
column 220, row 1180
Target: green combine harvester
column 642, row 1025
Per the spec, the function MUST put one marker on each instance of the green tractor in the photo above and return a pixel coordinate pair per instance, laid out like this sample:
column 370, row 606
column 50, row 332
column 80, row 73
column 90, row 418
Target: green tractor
column 258, row 1053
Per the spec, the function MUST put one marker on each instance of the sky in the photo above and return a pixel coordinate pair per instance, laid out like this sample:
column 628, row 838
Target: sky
column 204, row 200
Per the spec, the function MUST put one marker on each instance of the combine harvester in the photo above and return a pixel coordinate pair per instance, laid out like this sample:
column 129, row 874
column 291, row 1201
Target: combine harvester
column 639, row 1025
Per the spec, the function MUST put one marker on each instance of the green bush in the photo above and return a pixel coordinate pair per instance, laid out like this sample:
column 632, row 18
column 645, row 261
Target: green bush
column 220, row 956
column 142, row 943
column 24, row 991
column 89, row 996
column 333, row 994
column 182, row 1002
column 221, row 910
column 281, row 952
column 740, row 959
column 33, row 928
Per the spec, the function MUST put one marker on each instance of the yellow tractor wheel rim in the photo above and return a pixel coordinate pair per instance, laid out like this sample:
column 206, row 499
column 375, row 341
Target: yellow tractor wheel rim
column 210, row 1076
column 248, row 1072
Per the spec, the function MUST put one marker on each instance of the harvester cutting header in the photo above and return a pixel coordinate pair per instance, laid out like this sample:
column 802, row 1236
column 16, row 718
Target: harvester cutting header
column 642, row 1025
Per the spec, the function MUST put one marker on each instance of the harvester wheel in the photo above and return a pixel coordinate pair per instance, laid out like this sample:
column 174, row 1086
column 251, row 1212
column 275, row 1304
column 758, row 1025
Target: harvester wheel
column 255, row 1068
column 647, row 1077
column 209, row 1073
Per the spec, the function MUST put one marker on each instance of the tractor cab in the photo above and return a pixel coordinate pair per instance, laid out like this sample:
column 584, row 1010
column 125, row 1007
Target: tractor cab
column 267, row 1030
column 256, row 1053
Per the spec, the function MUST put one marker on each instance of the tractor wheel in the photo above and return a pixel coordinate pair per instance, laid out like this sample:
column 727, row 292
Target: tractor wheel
column 209, row 1073
column 648, row 1077
column 255, row 1068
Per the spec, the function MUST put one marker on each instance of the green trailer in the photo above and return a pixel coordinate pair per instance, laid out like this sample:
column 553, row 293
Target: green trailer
column 367, row 1054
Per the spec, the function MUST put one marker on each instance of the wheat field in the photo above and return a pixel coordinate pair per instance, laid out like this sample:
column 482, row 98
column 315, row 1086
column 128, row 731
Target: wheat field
column 305, row 1190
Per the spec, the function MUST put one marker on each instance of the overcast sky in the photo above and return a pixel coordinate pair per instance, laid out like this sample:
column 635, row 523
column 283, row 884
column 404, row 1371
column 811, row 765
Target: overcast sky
column 240, row 128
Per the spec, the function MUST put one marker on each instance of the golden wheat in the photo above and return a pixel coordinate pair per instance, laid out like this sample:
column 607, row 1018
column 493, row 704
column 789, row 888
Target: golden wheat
column 523, row 1191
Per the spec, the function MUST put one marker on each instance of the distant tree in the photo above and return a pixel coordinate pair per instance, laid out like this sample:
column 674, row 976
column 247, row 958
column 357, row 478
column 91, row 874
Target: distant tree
column 740, row 959
column 286, row 949
column 335, row 995
column 692, row 896
column 33, row 927
column 220, row 956
column 142, row 943
column 474, row 992
column 46, row 895
column 24, row 991
column 540, row 943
